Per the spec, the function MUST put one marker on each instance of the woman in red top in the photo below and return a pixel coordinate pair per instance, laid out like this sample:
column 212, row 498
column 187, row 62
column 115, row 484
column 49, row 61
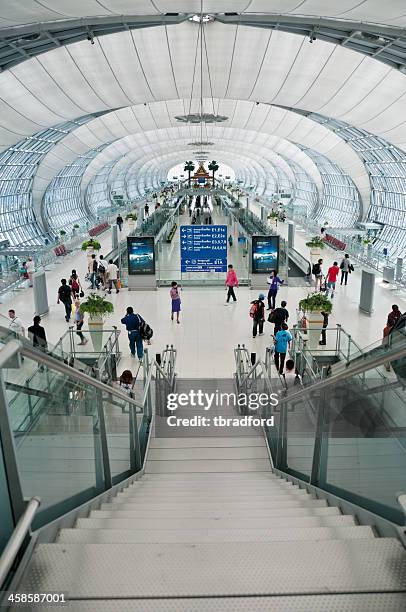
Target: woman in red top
column 331, row 278
column 231, row 282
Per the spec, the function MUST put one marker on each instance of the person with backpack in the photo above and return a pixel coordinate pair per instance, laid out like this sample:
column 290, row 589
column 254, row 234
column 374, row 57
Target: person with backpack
column 318, row 274
column 133, row 323
column 74, row 284
column 257, row 314
column 37, row 335
column 112, row 274
column 278, row 316
column 65, row 296
column 323, row 340
column 346, row 268
column 175, row 300
column 274, row 282
column 282, row 341
column 331, row 278
column 231, row 283
column 102, row 272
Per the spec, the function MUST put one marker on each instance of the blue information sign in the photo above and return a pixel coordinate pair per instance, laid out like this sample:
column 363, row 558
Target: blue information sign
column 203, row 248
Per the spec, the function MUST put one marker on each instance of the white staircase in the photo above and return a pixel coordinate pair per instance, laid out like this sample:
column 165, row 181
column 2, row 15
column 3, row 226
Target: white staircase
column 209, row 527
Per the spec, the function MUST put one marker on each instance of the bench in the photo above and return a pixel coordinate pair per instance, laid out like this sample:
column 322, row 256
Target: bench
column 60, row 250
column 335, row 242
column 99, row 229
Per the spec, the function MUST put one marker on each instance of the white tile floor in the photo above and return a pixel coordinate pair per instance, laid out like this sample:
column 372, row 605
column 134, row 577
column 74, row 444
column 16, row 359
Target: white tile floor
column 209, row 330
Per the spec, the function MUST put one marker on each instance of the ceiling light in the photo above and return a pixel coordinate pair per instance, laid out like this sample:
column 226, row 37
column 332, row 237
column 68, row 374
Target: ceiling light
column 201, row 118
column 202, row 18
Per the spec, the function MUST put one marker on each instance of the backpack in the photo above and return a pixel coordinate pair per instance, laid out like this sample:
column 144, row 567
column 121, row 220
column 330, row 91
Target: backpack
column 254, row 310
column 101, row 269
column 146, row 332
column 64, row 293
column 272, row 316
column 316, row 269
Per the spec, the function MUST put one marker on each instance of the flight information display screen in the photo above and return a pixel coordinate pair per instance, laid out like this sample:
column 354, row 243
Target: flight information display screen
column 203, row 248
column 141, row 255
column 265, row 254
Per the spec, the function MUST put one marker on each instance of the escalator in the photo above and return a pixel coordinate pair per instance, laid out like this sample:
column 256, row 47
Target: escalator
column 301, row 515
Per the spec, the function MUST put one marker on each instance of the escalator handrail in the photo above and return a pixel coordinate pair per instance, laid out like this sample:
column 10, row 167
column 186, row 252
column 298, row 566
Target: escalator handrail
column 350, row 370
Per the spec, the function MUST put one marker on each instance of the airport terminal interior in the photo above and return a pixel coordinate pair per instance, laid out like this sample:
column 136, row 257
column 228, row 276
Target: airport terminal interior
column 203, row 305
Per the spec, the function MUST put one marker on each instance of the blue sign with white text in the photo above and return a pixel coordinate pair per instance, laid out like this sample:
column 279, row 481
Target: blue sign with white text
column 203, row 248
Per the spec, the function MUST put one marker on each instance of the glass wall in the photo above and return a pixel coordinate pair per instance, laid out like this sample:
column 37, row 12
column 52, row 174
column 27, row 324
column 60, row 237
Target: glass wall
column 18, row 166
column 63, row 202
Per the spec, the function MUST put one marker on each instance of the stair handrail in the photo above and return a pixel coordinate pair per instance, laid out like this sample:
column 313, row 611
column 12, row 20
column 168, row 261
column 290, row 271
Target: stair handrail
column 24, row 348
column 17, row 538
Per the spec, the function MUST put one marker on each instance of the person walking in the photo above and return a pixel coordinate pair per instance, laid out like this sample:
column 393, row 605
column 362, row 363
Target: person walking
column 282, row 342
column 230, row 240
column 65, row 296
column 126, row 383
column 274, row 282
column 74, row 284
column 175, row 299
column 37, row 335
column 79, row 319
column 102, row 272
column 133, row 323
column 231, row 283
column 112, row 274
column 93, row 269
column 346, row 267
column 257, row 313
column 16, row 324
column 323, row 340
column 30, row 267
column 331, row 278
column 318, row 274
column 146, row 211
column 119, row 222
column 278, row 316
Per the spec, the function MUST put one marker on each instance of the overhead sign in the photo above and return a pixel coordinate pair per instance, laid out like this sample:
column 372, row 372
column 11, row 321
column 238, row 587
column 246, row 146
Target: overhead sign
column 203, row 248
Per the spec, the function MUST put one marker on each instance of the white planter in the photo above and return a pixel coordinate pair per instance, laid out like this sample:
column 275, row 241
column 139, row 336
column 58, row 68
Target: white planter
column 131, row 224
column 314, row 254
column 96, row 332
column 89, row 253
column 315, row 324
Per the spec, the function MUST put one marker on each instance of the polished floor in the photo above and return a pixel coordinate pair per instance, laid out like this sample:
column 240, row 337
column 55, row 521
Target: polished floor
column 209, row 330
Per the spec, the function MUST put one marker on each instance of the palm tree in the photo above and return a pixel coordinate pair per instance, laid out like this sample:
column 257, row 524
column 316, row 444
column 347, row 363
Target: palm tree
column 189, row 167
column 213, row 166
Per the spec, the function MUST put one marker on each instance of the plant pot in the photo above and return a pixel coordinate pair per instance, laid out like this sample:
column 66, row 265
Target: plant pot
column 95, row 324
column 315, row 323
column 89, row 253
column 131, row 224
column 314, row 254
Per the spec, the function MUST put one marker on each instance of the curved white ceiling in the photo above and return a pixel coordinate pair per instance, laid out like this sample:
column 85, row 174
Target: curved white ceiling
column 248, row 123
column 18, row 12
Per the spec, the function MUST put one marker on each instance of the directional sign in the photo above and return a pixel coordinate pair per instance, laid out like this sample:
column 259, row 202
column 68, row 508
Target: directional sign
column 203, row 248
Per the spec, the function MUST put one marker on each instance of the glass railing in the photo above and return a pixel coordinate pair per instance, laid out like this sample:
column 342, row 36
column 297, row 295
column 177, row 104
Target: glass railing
column 346, row 434
column 73, row 436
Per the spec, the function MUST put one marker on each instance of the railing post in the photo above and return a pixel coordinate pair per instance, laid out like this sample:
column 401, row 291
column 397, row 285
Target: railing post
column 338, row 340
column 319, row 463
column 103, row 441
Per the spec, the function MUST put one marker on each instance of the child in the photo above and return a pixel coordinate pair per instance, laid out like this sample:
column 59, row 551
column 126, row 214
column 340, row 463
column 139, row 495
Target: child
column 175, row 297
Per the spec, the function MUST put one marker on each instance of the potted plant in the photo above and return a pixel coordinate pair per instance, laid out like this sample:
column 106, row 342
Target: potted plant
column 90, row 246
column 62, row 235
column 313, row 306
column 74, row 228
column 315, row 244
column 97, row 308
column 131, row 218
column 273, row 218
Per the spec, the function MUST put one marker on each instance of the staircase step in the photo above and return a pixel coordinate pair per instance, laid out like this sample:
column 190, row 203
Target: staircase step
column 299, row 510
column 207, row 466
column 358, row 602
column 217, row 570
column 177, row 536
column 207, row 442
column 204, row 509
column 242, row 499
column 218, row 524
column 220, row 476
column 207, row 453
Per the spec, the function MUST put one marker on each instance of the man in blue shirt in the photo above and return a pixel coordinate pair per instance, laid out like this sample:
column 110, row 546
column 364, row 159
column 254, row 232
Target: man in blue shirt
column 282, row 341
column 132, row 324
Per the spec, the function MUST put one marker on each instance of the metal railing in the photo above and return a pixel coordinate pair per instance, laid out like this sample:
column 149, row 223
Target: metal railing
column 104, row 421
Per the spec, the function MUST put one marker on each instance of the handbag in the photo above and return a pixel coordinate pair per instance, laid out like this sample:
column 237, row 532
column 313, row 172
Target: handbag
column 82, row 294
